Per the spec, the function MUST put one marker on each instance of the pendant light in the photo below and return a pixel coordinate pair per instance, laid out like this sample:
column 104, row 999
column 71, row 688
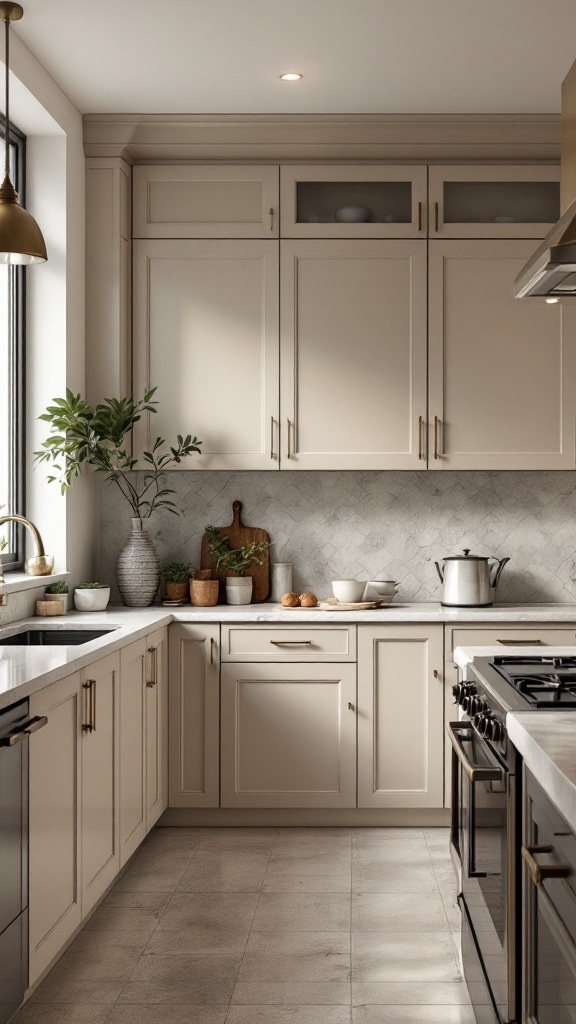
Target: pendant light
column 21, row 240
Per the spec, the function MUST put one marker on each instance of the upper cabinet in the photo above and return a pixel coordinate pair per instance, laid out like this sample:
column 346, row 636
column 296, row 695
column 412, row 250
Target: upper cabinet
column 205, row 201
column 493, row 201
column 351, row 201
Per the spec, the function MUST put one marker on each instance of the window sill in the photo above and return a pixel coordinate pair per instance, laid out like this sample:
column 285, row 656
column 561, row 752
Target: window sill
column 17, row 581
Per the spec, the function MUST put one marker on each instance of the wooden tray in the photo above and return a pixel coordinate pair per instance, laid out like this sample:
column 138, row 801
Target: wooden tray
column 337, row 606
column 238, row 534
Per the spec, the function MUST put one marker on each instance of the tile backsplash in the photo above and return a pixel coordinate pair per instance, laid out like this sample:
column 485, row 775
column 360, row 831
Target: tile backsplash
column 340, row 525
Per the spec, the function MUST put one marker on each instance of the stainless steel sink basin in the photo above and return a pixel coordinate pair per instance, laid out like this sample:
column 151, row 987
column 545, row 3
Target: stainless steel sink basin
column 52, row 637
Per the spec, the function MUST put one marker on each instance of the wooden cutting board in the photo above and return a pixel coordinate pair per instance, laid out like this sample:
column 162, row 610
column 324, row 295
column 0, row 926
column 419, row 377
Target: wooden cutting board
column 238, row 535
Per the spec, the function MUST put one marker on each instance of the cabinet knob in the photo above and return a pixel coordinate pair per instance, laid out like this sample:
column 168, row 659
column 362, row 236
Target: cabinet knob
column 350, row 706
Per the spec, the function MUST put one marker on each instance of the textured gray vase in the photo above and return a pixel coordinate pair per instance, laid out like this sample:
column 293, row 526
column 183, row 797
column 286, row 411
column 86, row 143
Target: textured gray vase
column 138, row 569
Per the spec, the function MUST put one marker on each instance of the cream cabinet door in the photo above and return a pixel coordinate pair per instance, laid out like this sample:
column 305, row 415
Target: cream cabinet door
column 132, row 762
column 54, row 865
column 206, row 335
column 156, row 726
column 288, row 735
column 502, row 371
column 353, row 378
column 400, row 716
column 205, row 201
column 100, row 857
column 193, row 715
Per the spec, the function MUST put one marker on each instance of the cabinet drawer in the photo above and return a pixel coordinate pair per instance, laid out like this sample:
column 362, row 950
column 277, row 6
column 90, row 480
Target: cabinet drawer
column 287, row 643
column 507, row 635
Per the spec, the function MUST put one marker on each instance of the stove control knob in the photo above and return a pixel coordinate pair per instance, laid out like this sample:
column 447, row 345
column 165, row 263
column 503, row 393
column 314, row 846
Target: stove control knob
column 477, row 720
column 457, row 692
column 475, row 705
column 496, row 731
column 486, row 723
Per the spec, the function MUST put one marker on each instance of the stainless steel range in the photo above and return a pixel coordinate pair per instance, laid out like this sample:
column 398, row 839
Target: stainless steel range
column 486, row 817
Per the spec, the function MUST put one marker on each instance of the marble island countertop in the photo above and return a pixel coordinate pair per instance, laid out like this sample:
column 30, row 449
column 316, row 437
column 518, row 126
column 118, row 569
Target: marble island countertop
column 547, row 742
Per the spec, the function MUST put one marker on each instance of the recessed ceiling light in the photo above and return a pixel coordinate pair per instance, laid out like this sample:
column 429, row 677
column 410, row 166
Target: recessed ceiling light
column 550, row 301
column 291, row 76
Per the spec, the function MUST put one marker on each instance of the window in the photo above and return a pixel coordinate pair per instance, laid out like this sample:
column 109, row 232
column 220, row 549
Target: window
column 12, row 377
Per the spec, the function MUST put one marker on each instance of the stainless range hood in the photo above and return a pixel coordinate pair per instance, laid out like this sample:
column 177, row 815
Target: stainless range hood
column 552, row 269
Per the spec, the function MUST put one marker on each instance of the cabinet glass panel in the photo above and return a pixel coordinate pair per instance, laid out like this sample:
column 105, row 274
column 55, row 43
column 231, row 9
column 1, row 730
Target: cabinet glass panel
column 501, row 202
column 354, row 202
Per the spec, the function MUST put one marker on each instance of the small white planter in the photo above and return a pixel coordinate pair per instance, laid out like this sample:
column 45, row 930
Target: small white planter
column 89, row 600
column 63, row 599
column 238, row 589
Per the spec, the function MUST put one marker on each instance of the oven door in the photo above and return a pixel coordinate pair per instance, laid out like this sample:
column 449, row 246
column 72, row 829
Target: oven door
column 485, row 822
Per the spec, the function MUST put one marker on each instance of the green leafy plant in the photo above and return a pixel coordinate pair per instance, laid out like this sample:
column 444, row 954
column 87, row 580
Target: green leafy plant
column 99, row 436
column 91, row 586
column 58, row 588
column 176, row 572
column 234, row 560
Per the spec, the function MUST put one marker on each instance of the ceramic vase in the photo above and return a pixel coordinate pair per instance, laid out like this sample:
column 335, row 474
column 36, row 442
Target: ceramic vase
column 138, row 569
column 238, row 589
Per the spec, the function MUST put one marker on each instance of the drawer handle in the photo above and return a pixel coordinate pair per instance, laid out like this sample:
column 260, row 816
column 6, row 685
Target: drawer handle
column 521, row 643
column 290, row 643
column 540, row 872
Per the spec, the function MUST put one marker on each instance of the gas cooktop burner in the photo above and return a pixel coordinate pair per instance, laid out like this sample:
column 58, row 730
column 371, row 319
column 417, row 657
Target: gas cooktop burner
column 544, row 682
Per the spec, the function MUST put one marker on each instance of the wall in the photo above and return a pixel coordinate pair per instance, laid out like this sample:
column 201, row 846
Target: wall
column 336, row 525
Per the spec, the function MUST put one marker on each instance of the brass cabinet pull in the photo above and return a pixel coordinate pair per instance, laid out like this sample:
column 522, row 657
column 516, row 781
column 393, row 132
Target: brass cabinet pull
column 350, row 706
column 436, row 217
column 420, row 216
column 289, row 643
column 436, row 422
column 90, row 689
column 212, row 649
column 522, row 643
column 420, row 431
column 289, row 426
column 272, row 455
column 271, row 214
column 153, row 651
column 540, row 872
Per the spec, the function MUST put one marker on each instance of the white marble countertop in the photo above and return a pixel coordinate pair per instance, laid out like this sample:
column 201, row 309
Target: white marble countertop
column 464, row 656
column 547, row 742
column 25, row 670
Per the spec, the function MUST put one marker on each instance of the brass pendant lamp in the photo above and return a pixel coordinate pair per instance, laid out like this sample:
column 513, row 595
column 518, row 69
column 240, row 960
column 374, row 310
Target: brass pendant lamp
column 21, row 240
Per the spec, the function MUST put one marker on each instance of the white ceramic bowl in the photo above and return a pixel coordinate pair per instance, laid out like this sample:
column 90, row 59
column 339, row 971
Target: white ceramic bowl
column 348, row 591
column 91, row 600
column 380, row 590
column 352, row 214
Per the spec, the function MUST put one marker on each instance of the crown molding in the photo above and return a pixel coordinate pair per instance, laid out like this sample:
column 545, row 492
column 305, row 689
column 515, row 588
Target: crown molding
column 296, row 137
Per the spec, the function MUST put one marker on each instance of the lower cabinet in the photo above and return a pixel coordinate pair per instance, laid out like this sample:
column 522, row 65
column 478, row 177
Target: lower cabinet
column 132, row 761
column 194, row 709
column 156, row 736
column 288, row 735
column 400, row 716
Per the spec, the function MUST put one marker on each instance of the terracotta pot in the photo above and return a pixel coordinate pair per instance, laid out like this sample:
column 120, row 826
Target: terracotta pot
column 176, row 591
column 204, row 593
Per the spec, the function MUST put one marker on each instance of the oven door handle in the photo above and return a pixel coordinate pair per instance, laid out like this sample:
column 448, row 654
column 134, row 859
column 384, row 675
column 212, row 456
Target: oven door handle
column 476, row 773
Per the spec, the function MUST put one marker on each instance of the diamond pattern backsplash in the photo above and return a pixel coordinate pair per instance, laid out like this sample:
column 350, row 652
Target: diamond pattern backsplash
column 344, row 525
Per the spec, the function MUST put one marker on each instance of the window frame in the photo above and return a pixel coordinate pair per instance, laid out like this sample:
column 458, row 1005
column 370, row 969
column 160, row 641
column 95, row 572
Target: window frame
column 12, row 558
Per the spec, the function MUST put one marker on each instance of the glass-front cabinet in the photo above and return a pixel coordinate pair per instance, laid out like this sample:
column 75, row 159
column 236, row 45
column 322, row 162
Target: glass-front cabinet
column 353, row 201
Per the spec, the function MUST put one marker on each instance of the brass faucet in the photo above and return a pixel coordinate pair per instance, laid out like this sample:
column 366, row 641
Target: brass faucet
column 39, row 564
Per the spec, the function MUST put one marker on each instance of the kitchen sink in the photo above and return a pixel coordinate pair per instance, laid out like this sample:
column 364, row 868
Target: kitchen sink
column 52, row 637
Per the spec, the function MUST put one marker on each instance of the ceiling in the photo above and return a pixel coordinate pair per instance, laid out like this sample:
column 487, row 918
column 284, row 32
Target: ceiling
column 356, row 56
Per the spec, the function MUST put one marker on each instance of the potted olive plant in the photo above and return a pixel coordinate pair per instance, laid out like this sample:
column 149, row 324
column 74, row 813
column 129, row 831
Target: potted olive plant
column 100, row 436
column 177, row 580
column 235, row 561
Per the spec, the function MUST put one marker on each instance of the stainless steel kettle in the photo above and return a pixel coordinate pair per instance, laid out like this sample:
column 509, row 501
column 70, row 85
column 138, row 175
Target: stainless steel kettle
column 467, row 580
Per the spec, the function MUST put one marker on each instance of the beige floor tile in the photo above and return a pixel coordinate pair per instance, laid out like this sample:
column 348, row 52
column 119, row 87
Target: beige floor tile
column 403, row 956
column 308, row 883
column 238, row 839
column 302, row 912
column 169, row 1013
column 153, row 874
column 392, row 852
column 298, row 942
column 398, row 992
column 225, row 871
column 296, row 1014
column 123, row 919
column 393, row 877
column 296, row 957
column 310, row 832
column 452, row 911
column 431, row 1014
column 181, row 979
column 331, row 841
column 397, row 911
column 413, row 837
column 308, row 862
column 205, row 923
column 91, row 942
column 67, row 990
column 291, row 993
column 157, row 901
column 103, row 963
column 62, row 1013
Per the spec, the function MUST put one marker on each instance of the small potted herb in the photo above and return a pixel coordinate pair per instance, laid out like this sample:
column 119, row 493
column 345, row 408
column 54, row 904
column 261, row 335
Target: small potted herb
column 235, row 561
column 177, row 580
column 91, row 597
column 58, row 592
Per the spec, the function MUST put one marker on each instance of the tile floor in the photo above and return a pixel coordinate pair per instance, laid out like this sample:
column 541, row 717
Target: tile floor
column 268, row 926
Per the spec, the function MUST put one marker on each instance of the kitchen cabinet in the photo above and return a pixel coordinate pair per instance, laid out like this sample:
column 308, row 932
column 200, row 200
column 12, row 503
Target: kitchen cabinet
column 205, row 201
column 156, row 735
column 288, row 735
column 279, row 642
column 54, row 825
column 493, row 200
column 400, row 716
column 206, row 335
column 194, row 709
column 99, row 795
column 393, row 195
column 353, row 342
column 502, row 388
column 133, row 743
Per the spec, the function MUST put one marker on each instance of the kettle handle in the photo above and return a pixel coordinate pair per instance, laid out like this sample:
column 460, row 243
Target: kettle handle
column 500, row 562
column 439, row 571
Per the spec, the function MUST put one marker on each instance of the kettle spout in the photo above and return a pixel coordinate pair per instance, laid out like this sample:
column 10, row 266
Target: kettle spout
column 500, row 563
column 439, row 571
